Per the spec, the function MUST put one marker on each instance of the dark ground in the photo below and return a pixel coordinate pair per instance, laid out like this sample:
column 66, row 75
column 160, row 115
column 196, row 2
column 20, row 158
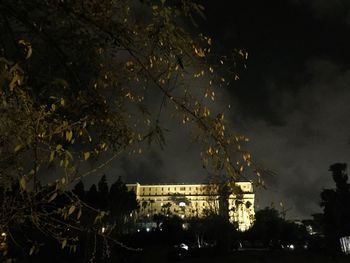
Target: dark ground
column 155, row 254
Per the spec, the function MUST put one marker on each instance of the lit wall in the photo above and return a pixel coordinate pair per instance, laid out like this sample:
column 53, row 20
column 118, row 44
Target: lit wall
column 194, row 200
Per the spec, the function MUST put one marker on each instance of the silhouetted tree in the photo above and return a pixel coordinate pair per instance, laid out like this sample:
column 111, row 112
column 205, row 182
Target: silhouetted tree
column 121, row 204
column 103, row 192
column 272, row 229
column 336, row 207
column 79, row 190
column 92, row 196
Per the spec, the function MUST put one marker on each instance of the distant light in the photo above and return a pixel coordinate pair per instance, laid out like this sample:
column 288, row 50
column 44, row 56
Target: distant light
column 182, row 216
column 182, row 204
column 184, row 246
column 345, row 244
column 138, row 230
column 3, row 234
column 291, row 247
column 103, row 230
column 148, row 229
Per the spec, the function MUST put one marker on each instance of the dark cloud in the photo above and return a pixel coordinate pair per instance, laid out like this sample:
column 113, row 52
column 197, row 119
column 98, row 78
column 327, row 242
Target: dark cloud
column 314, row 135
column 337, row 11
column 293, row 100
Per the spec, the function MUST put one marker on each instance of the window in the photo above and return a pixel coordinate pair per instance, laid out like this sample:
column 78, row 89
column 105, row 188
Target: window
column 182, row 188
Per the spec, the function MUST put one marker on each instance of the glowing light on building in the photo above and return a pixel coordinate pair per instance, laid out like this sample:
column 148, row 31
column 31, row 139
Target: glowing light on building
column 194, row 200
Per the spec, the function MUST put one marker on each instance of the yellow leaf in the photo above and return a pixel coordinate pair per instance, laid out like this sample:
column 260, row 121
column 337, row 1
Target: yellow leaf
column 199, row 52
column 31, row 250
column 71, row 209
column 53, row 197
column 28, row 47
column 62, row 101
column 18, row 147
column 79, row 214
column 59, row 147
column 86, row 155
column 52, row 156
column 64, row 243
column 69, row 135
column 23, row 183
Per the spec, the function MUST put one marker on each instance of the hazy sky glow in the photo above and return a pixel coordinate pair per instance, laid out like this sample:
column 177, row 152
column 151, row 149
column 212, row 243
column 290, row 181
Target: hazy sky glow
column 292, row 100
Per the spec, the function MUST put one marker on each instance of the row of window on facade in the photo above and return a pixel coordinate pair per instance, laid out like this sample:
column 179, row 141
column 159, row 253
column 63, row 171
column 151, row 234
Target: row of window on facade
column 180, row 203
column 169, row 199
column 189, row 189
column 173, row 188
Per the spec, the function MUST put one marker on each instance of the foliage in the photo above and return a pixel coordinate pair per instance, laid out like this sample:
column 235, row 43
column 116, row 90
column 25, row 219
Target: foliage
column 78, row 82
column 336, row 209
column 272, row 229
column 103, row 217
column 214, row 230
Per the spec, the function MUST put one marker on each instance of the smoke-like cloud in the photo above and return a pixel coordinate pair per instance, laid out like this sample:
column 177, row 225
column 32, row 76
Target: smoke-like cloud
column 293, row 102
column 315, row 134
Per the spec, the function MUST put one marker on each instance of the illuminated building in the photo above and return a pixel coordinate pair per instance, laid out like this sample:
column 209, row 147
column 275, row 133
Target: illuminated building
column 194, row 200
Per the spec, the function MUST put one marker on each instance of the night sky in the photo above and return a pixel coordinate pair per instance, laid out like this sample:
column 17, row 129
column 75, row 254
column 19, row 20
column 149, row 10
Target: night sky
column 292, row 100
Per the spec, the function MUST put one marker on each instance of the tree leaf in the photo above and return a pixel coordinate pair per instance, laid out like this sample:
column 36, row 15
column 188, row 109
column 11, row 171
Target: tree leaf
column 31, row 251
column 28, row 47
column 64, row 243
column 69, row 135
column 59, row 147
column 53, row 197
column 71, row 209
column 86, row 155
column 52, row 156
column 18, row 147
column 23, row 183
column 79, row 214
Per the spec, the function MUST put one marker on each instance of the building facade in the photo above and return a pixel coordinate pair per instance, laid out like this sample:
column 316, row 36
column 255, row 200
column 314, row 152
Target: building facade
column 194, row 200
